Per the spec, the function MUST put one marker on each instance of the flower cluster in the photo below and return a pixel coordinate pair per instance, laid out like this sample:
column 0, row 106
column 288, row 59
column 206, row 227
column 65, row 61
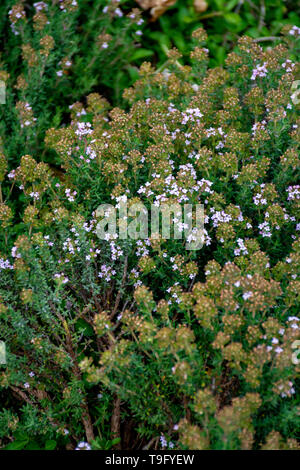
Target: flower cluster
column 196, row 346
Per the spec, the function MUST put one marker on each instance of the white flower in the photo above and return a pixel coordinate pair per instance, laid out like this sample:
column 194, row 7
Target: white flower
column 259, row 71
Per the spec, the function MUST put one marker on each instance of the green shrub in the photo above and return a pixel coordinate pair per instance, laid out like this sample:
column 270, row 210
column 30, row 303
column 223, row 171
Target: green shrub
column 54, row 54
column 224, row 22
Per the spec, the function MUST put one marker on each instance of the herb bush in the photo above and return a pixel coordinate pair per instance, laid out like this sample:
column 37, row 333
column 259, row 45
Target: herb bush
column 55, row 53
column 223, row 20
column 142, row 343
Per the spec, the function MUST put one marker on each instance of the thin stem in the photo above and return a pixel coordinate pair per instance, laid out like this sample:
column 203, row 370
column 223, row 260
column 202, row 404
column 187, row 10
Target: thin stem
column 266, row 38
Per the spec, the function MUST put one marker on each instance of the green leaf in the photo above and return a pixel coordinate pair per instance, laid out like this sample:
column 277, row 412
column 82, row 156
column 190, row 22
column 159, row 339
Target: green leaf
column 162, row 39
column 233, row 18
column 115, row 441
column 82, row 326
column 33, row 445
column 231, row 4
column 235, row 22
column 133, row 72
column 16, row 445
column 179, row 41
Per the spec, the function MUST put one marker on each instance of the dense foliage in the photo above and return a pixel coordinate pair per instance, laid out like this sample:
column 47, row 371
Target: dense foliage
column 143, row 343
